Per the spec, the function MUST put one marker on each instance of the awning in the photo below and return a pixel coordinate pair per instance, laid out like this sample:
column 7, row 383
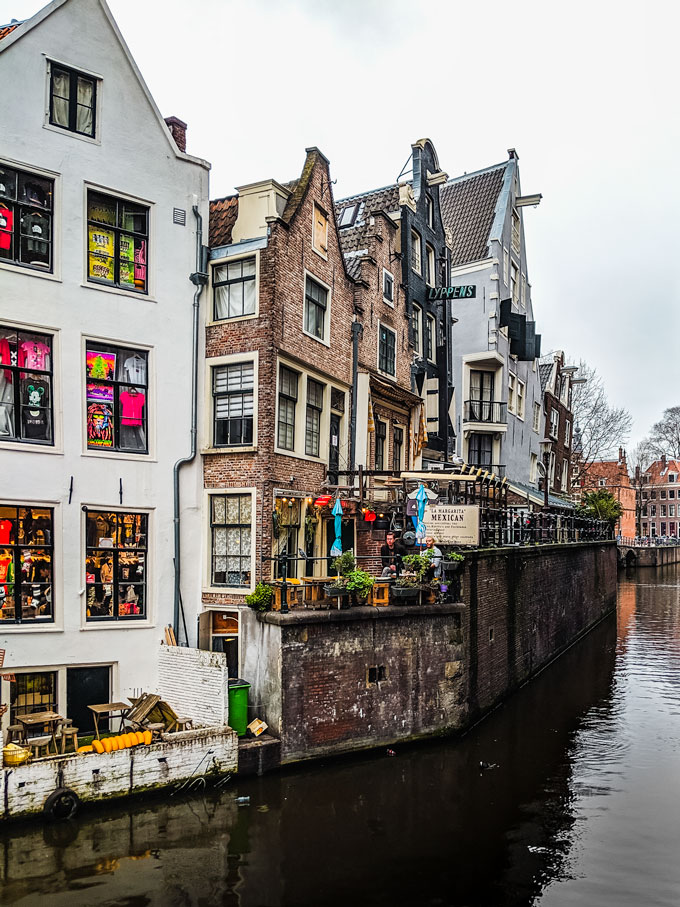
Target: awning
column 536, row 497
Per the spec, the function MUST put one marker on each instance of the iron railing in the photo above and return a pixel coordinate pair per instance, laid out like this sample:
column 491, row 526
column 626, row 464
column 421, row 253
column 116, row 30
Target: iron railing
column 484, row 411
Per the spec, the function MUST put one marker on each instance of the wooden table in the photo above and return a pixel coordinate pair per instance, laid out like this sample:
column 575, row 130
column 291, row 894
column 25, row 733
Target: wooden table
column 314, row 587
column 48, row 720
column 108, row 708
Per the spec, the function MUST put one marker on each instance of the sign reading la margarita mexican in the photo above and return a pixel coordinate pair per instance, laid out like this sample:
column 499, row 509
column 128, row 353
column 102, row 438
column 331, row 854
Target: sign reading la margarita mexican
column 453, row 525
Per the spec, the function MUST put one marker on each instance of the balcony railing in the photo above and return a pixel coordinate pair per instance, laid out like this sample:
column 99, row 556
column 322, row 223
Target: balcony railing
column 484, row 411
column 498, row 469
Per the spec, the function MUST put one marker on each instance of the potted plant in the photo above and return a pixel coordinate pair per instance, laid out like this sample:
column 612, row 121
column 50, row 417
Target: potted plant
column 452, row 563
column 343, row 565
column 359, row 584
column 405, row 590
column 260, row 599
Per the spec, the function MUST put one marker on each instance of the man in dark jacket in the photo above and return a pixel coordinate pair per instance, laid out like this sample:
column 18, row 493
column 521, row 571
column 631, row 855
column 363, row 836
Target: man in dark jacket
column 391, row 554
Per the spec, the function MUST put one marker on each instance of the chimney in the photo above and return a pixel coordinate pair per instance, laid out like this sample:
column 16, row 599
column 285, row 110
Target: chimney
column 663, row 461
column 178, row 128
column 620, row 454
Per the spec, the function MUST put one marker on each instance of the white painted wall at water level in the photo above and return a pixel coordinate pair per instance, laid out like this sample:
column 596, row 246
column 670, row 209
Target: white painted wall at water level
column 133, row 156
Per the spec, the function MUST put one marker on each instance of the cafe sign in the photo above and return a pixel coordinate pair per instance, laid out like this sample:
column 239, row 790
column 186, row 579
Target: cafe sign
column 435, row 293
column 449, row 524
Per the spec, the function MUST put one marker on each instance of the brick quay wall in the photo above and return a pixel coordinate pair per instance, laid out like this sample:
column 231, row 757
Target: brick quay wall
column 331, row 682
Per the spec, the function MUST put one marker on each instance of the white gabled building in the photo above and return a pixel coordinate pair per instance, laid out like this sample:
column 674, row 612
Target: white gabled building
column 98, row 243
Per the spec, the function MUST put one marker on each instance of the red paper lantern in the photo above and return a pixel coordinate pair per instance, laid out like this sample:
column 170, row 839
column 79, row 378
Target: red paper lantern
column 369, row 517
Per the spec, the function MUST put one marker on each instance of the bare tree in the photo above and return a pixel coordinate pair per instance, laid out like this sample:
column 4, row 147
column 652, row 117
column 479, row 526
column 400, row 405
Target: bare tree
column 664, row 438
column 599, row 428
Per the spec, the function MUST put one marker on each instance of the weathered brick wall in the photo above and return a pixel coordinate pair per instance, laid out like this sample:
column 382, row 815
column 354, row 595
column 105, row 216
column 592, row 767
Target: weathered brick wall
column 194, row 683
column 525, row 605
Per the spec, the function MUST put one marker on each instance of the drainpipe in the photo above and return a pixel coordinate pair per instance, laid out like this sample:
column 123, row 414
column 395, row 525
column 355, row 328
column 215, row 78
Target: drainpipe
column 357, row 329
column 199, row 279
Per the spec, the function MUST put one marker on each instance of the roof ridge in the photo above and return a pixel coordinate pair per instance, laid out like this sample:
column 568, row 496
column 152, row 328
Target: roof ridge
column 224, row 198
column 465, row 176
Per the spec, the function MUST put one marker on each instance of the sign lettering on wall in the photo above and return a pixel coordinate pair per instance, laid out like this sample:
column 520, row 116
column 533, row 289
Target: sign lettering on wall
column 468, row 292
column 451, row 524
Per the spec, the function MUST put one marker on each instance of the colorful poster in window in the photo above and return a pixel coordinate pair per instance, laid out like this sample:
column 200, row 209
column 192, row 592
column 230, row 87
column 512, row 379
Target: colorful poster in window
column 100, row 393
column 126, row 248
column 100, row 425
column 101, row 254
column 100, row 365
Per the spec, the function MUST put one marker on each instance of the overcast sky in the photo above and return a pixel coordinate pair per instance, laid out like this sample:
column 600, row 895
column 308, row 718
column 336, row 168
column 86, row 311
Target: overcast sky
column 586, row 93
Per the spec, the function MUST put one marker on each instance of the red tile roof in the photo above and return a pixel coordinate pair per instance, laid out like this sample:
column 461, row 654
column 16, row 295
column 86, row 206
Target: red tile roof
column 658, row 471
column 223, row 214
column 6, row 29
column 614, row 472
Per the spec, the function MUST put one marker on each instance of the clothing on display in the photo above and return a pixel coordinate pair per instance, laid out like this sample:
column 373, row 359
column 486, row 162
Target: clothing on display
column 6, row 531
column 134, row 370
column 34, row 354
column 26, row 563
column 132, row 407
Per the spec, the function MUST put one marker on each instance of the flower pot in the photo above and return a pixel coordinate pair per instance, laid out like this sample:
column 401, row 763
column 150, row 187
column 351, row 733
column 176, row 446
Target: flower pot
column 404, row 595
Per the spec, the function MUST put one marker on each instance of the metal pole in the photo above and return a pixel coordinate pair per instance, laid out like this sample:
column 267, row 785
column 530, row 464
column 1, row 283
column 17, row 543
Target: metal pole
column 356, row 331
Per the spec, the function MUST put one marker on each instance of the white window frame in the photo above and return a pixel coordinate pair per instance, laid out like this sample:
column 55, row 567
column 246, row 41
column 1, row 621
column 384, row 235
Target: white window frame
column 430, row 265
column 512, row 384
column 208, row 416
column 554, row 423
column 567, row 432
column 506, row 267
column 151, row 252
column 416, row 252
column 521, row 398
column 230, row 259
column 92, row 139
column 429, row 210
column 394, row 334
column 208, row 493
column 388, row 275
column 326, row 339
column 533, row 467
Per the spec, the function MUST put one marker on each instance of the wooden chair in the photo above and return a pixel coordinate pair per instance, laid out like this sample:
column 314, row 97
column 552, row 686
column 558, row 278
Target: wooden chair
column 16, row 734
column 36, row 744
column 68, row 732
column 138, row 716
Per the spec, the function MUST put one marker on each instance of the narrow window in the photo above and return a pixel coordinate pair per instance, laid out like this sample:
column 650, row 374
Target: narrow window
column 26, row 564
column 416, row 252
column 417, row 336
column 233, row 390
column 380, row 438
column 26, row 409
column 320, row 230
column 117, row 397
column 26, row 219
column 387, row 350
column 316, row 300
column 115, row 566
column 512, row 384
column 230, row 524
column 73, row 100
column 429, row 209
column 288, row 394
column 313, row 418
column 554, row 423
column 480, row 449
column 516, row 233
column 348, row 216
column 430, row 273
column 234, row 289
column 431, row 338
column 118, row 240
column 397, row 448
column 520, row 399
column 388, row 287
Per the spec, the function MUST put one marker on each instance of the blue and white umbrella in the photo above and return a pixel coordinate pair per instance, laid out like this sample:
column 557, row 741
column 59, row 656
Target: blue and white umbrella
column 421, row 498
column 336, row 549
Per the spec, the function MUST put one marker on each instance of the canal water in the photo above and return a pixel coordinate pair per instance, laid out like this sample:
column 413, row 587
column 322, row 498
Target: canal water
column 582, row 807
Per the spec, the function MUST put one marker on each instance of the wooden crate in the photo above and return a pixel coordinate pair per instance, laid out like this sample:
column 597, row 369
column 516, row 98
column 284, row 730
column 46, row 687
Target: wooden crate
column 379, row 596
column 296, row 593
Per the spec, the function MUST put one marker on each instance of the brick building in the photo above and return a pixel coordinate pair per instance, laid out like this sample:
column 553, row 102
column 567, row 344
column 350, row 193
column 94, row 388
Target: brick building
column 660, row 499
column 418, row 258
column 613, row 475
column 277, row 398
column 556, row 384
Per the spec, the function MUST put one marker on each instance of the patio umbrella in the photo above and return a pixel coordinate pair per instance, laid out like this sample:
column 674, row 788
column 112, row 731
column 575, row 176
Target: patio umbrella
column 336, row 549
column 421, row 498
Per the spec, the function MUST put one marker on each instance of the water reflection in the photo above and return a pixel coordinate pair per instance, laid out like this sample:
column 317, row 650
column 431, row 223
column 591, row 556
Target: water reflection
column 560, row 820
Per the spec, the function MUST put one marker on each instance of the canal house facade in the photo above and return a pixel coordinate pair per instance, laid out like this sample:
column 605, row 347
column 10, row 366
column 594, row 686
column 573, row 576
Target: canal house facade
column 96, row 252
column 499, row 417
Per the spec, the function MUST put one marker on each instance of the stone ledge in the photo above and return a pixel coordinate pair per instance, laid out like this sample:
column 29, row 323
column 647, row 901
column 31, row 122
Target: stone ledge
column 350, row 615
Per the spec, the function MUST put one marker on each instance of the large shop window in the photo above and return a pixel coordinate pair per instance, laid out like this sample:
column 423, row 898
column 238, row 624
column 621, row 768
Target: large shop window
column 230, row 524
column 26, row 218
column 72, row 100
column 313, row 421
column 25, row 386
column 316, row 300
column 115, row 566
column 26, row 564
column 387, row 346
column 30, row 693
column 118, row 239
column 117, row 398
column 234, row 289
column 288, row 394
column 233, row 389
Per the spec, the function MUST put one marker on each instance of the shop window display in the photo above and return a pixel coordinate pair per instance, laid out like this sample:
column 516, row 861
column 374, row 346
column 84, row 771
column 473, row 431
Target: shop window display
column 26, row 564
column 117, row 242
column 231, row 539
column 34, row 692
column 26, row 218
column 117, row 398
column 115, row 565
column 25, row 386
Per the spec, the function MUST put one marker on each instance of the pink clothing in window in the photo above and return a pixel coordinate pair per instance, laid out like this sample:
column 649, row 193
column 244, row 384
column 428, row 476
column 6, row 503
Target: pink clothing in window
column 132, row 406
column 33, row 354
column 5, row 531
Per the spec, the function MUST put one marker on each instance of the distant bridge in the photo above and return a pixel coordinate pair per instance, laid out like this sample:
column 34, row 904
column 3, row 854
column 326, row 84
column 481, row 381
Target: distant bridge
column 632, row 555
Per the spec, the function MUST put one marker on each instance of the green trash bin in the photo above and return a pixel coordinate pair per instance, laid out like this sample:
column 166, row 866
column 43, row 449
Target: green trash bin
column 238, row 705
